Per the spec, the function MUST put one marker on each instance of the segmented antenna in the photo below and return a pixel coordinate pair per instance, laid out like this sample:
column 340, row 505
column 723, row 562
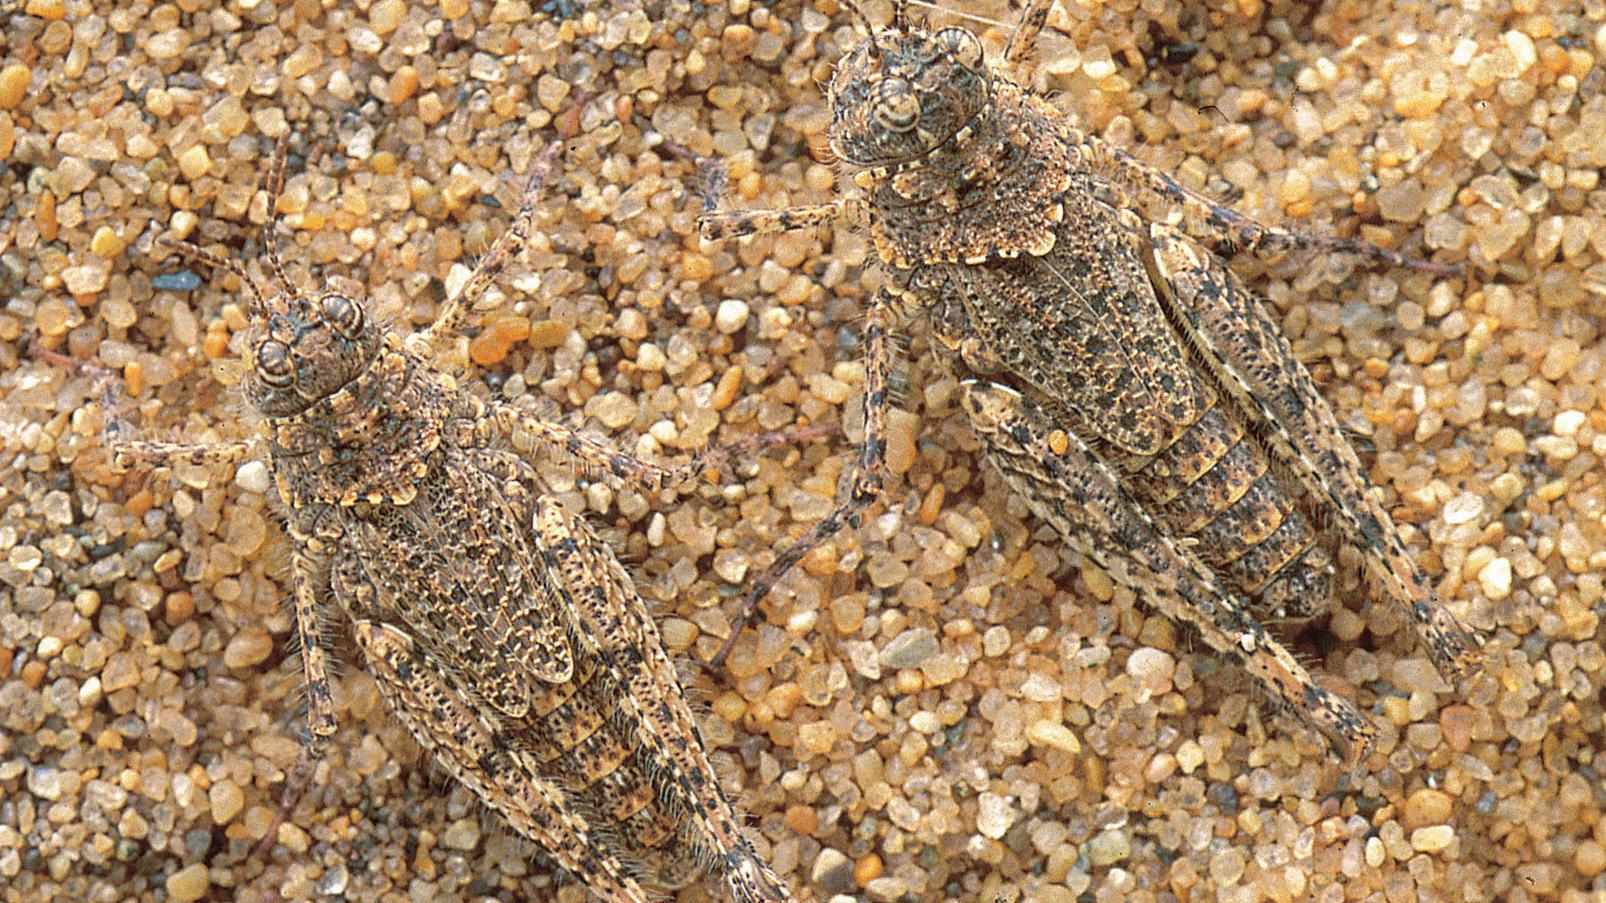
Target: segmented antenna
column 869, row 27
column 257, row 306
column 270, row 229
column 859, row 13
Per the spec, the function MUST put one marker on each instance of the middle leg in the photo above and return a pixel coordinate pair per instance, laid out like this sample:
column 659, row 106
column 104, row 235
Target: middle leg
column 869, row 466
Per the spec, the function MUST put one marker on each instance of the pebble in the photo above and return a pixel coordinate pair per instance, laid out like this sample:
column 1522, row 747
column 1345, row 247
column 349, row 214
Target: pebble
column 909, row 649
column 832, row 872
column 189, row 883
column 1054, row 734
column 1432, row 839
column 818, row 737
column 180, row 281
column 1495, row 579
column 86, row 279
column 1227, row 867
column 334, row 882
column 1376, row 854
column 463, row 834
column 1040, row 687
column 547, row 334
column 45, row 782
column 195, row 162
column 1152, row 669
column 889, row 889
column 1462, row 509
column 1108, row 847
column 226, row 801
column 616, row 410
column 253, row 476
column 386, row 15
column 249, row 647
column 1427, row 807
column 732, row 316
column 994, row 815
column 867, row 869
column 14, row 79
column 1590, row 859
column 120, row 672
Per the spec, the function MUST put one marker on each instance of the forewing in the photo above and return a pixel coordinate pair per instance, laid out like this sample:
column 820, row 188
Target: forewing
column 461, row 569
column 1083, row 325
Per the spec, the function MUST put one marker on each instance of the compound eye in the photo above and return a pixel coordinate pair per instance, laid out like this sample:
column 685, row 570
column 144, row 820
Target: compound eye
column 274, row 366
column 896, row 106
column 342, row 313
column 961, row 45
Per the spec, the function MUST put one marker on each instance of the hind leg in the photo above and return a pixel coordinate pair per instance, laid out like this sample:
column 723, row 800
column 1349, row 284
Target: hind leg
column 1063, row 483
column 597, row 589
column 419, row 691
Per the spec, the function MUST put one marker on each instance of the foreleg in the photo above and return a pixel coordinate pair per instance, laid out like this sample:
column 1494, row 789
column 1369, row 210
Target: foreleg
column 868, row 470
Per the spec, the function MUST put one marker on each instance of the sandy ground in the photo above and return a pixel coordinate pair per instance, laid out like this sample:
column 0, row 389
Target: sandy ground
column 944, row 705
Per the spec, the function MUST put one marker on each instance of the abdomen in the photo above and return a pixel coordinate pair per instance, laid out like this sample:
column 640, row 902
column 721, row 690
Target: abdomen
column 578, row 734
column 1213, row 483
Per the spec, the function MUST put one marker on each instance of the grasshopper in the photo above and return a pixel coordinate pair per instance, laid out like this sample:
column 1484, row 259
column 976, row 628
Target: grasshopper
column 1126, row 384
column 498, row 626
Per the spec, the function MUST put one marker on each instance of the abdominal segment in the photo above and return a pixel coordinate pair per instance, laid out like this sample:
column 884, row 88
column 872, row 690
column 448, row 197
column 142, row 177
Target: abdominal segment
column 578, row 732
column 1214, row 484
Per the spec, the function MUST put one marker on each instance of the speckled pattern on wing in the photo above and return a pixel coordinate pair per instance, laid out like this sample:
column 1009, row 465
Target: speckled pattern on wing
column 1032, row 247
column 1092, row 340
column 499, row 627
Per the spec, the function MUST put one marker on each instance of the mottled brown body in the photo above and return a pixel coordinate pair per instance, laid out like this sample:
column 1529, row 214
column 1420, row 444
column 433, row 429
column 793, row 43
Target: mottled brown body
column 1078, row 331
column 482, row 599
column 1126, row 384
column 498, row 626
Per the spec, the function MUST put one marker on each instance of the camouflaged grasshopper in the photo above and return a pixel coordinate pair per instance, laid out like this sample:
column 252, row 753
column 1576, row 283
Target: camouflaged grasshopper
column 1124, row 381
column 499, row 627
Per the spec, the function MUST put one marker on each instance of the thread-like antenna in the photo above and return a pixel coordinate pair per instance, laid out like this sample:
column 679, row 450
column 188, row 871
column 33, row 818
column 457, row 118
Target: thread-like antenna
column 258, row 304
column 957, row 13
column 270, row 229
column 869, row 27
column 859, row 13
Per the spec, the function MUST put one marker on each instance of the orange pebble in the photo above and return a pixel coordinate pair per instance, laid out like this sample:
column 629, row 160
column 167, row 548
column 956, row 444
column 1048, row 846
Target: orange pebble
column 44, row 216
column 403, row 85
column 140, row 502
column 931, row 505
column 802, row 819
column 216, row 343
column 134, row 378
column 867, row 869
column 488, row 348
column 180, row 608
column 33, row 674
